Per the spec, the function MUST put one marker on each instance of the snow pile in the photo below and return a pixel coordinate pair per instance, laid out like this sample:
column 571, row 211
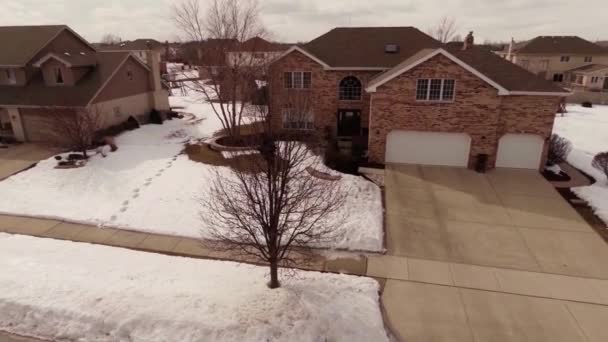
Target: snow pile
column 73, row 291
column 148, row 185
column 587, row 129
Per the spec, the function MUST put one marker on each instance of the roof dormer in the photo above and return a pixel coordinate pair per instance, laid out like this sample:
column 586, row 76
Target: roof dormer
column 65, row 69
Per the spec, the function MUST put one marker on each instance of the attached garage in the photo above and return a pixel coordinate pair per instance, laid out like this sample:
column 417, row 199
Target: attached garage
column 428, row 148
column 35, row 126
column 520, row 151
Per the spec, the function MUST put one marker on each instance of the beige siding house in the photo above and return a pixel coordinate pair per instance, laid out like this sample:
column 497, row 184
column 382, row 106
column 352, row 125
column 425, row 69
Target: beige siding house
column 52, row 68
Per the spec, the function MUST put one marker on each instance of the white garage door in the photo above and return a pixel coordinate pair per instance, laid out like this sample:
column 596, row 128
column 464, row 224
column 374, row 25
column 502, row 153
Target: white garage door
column 428, row 148
column 520, row 151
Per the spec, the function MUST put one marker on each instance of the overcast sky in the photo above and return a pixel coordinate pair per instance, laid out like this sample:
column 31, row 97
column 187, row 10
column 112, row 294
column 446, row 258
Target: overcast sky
column 302, row 20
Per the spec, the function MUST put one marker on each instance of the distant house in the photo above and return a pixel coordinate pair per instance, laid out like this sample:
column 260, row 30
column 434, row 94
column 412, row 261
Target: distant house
column 592, row 77
column 407, row 98
column 52, row 68
column 138, row 47
column 255, row 52
column 551, row 57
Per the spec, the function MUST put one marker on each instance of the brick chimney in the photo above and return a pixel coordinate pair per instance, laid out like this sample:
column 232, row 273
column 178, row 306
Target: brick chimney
column 469, row 41
column 159, row 96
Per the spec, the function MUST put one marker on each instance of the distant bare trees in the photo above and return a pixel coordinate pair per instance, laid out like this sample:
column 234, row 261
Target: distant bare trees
column 559, row 149
column 110, row 39
column 445, row 30
column 74, row 130
column 217, row 32
column 600, row 162
column 274, row 203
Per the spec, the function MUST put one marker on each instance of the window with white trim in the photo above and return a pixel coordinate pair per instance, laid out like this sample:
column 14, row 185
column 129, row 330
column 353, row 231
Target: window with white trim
column 588, row 59
column 558, row 78
column 565, row 59
column 435, row 89
column 349, row 89
column 297, row 79
column 294, row 118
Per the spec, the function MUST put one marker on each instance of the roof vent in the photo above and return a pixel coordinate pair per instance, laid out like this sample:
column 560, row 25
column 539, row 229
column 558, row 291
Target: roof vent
column 391, row 48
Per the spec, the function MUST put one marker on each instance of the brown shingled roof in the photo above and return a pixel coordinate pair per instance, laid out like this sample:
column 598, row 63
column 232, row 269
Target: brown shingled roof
column 559, row 44
column 131, row 45
column 510, row 76
column 589, row 68
column 76, row 59
column 36, row 93
column 20, row 43
column 365, row 46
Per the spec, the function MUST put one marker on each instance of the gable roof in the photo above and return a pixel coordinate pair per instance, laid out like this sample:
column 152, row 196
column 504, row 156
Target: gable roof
column 589, row 68
column 559, row 44
column 364, row 47
column 20, row 43
column 507, row 78
column 37, row 93
column 259, row 44
column 131, row 45
column 69, row 59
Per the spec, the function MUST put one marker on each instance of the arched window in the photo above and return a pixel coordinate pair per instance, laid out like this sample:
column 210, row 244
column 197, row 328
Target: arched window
column 350, row 89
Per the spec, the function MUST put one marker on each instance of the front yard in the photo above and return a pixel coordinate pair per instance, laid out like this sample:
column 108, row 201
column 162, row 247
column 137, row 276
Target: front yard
column 150, row 185
column 62, row 290
column 587, row 129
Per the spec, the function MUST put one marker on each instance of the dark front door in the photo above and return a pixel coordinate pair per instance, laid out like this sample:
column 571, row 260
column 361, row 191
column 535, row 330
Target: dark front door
column 606, row 83
column 349, row 122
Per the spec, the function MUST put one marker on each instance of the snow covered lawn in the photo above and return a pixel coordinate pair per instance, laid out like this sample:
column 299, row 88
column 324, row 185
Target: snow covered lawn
column 148, row 185
column 73, row 291
column 587, row 129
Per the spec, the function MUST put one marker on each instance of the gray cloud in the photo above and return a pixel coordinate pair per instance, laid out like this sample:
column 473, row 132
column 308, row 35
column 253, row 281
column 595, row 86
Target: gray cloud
column 302, row 20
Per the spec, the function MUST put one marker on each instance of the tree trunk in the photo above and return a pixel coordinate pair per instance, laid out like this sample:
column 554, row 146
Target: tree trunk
column 274, row 275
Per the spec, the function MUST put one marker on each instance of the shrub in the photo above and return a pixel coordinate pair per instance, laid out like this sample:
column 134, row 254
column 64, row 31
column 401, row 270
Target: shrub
column 155, row 117
column 587, row 104
column 131, row 123
column 600, row 162
column 559, row 148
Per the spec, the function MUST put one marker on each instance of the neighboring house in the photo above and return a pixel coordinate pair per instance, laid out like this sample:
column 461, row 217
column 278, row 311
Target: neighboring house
column 410, row 99
column 255, row 52
column 592, row 77
column 139, row 47
column 52, row 68
column 551, row 57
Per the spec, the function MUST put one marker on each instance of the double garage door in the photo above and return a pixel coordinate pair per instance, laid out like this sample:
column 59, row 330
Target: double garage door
column 522, row 151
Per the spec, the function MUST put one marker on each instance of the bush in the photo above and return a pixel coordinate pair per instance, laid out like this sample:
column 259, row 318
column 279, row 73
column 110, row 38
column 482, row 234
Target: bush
column 600, row 162
column 587, row 104
column 156, row 117
column 559, row 148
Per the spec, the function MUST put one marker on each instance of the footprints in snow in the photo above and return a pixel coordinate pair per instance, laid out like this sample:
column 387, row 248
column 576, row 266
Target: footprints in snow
column 136, row 191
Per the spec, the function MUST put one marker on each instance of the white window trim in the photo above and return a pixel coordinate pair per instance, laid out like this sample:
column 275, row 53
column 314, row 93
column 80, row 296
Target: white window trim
column 302, row 80
column 428, row 90
column 309, row 125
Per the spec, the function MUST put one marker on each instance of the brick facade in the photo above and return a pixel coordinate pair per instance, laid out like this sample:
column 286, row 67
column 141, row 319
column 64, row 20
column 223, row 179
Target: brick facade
column 476, row 110
column 323, row 92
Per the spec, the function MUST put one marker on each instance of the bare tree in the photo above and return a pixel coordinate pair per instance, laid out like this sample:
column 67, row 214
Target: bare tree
column 228, row 74
column 275, row 203
column 110, row 39
column 600, row 162
column 74, row 130
column 559, row 149
column 445, row 30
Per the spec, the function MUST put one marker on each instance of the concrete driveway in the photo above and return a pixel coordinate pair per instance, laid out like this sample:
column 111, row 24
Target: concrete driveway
column 505, row 218
column 20, row 157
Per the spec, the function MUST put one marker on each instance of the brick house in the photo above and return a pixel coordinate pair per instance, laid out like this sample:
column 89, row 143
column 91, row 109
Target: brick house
column 46, row 68
column 410, row 99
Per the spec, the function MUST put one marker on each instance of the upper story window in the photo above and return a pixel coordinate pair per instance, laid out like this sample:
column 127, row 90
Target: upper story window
column 129, row 74
column 297, row 79
column 10, row 76
column 350, row 89
column 565, row 59
column 588, row 59
column 524, row 63
column 58, row 75
column 435, row 89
